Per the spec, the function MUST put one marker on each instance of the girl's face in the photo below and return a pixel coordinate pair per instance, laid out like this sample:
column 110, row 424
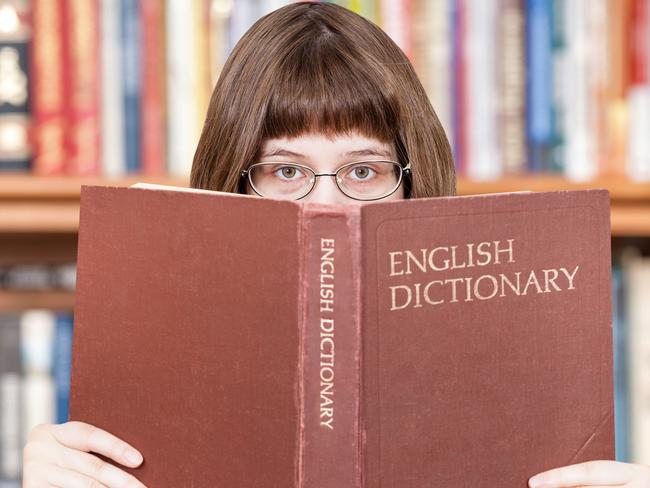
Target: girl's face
column 326, row 155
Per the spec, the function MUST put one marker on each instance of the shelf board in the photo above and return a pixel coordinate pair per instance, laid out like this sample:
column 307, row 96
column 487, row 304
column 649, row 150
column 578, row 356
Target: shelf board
column 17, row 301
column 50, row 204
column 620, row 189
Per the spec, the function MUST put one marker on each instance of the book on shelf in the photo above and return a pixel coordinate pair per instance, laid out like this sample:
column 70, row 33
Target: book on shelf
column 243, row 341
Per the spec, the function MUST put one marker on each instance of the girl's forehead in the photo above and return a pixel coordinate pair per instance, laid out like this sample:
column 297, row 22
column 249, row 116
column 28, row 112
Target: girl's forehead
column 353, row 142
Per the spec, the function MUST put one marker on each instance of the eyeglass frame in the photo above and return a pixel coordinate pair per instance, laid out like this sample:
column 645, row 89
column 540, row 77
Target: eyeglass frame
column 405, row 172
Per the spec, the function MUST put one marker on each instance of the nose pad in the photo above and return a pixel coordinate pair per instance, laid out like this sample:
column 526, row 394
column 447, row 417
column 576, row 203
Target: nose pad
column 326, row 191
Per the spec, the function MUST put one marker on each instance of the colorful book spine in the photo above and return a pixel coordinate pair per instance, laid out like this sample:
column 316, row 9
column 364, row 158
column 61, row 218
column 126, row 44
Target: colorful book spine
column 512, row 86
column 152, row 128
column 15, row 147
column 62, row 362
column 458, row 93
column 219, row 16
column 83, row 101
column 621, row 371
column 131, row 82
column 48, row 96
column 539, row 71
column 638, row 163
column 112, row 108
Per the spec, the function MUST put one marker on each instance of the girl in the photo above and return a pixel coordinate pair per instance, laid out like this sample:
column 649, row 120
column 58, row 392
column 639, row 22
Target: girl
column 321, row 90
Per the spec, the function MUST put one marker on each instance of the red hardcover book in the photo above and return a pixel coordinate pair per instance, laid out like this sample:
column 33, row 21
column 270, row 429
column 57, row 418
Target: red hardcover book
column 241, row 341
column 47, row 87
column 153, row 89
column 82, row 80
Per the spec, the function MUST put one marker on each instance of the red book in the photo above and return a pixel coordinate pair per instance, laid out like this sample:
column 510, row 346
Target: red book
column 153, row 90
column 47, row 87
column 240, row 341
column 82, row 79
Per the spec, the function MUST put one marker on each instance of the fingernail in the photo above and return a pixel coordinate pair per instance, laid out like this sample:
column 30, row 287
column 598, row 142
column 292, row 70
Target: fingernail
column 134, row 457
column 536, row 481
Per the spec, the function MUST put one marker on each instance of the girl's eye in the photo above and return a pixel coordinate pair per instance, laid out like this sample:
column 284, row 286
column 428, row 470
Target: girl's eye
column 287, row 172
column 362, row 172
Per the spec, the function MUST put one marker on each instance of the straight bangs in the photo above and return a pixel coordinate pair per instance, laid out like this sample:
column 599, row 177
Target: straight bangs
column 319, row 88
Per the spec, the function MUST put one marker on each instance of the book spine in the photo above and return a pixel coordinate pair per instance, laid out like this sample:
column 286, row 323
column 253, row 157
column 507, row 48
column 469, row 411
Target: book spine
column 621, row 388
column 330, row 449
column 112, row 110
column 37, row 340
column 182, row 133
column 580, row 155
column 153, row 90
column 62, row 364
column 539, row 71
column 459, row 91
column 483, row 159
column 219, row 15
column 15, row 149
column 512, row 82
column 48, row 106
column 438, row 60
column 637, row 283
column 11, row 441
column 131, row 80
column 396, row 21
column 83, row 134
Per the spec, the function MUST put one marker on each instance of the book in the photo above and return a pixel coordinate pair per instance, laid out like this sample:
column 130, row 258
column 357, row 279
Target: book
column 637, row 282
column 15, row 117
column 243, row 341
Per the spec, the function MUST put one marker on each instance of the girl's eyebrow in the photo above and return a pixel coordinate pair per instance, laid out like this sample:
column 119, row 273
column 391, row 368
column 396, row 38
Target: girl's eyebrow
column 370, row 151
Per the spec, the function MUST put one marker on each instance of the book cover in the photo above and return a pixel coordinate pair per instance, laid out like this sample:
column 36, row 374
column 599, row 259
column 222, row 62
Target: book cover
column 241, row 341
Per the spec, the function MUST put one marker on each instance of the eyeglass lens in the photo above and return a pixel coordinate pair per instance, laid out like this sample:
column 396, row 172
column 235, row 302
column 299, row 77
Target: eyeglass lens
column 365, row 180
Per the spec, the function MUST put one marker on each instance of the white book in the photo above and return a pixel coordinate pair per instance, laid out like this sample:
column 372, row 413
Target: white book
column 637, row 276
column 182, row 87
column 638, row 164
column 37, row 329
column 483, row 158
column 393, row 19
column 581, row 163
column 112, row 107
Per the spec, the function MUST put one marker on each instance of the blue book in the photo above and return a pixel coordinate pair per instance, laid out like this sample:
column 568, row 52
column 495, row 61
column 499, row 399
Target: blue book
column 62, row 364
column 131, row 81
column 539, row 83
column 621, row 386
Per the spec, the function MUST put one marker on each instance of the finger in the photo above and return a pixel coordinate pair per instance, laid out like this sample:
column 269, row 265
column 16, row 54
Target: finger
column 65, row 478
column 85, row 437
column 95, row 468
column 590, row 473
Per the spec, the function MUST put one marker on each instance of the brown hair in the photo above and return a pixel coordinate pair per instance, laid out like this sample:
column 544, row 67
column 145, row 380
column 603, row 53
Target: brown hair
column 318, row 67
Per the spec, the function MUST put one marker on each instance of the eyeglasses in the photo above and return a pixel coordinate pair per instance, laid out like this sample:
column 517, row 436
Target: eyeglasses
column 360, row 180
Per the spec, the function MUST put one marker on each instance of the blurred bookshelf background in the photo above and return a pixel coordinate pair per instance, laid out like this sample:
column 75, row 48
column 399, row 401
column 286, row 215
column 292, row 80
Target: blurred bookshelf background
column 533, row 94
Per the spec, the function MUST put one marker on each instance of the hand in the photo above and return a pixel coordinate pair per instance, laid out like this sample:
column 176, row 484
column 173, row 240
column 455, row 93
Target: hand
column 603, row 474
column 59, row 455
